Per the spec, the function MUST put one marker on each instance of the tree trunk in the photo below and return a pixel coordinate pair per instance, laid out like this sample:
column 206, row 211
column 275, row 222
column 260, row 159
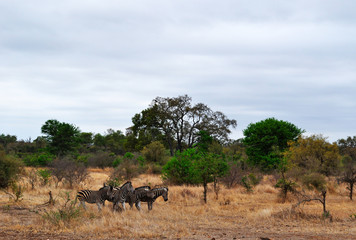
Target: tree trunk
column 324, row 200
column 351, row 189
column 205, row 191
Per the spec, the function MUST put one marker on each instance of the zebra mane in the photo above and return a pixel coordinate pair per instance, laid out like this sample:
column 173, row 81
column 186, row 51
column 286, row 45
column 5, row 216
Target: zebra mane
column 125, row 184
column 160, row 187
column 143, row 187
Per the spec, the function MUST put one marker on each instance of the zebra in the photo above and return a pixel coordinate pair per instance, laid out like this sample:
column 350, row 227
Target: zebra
column 137, row 194
column 153, row 194
column 91, row 196
column 120, row 196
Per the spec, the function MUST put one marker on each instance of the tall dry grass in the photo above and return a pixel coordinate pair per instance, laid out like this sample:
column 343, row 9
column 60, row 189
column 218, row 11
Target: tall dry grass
column 235, row 213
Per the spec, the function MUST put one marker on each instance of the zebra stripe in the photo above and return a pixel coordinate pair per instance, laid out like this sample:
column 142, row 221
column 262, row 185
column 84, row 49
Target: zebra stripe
column 136, row 196
column 153, row 194
column 120, row 196
column 97, row 197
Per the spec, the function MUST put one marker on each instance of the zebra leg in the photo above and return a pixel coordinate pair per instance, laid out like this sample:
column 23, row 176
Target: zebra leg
column 82, row 203
column 138, row 205
column 123, row 206
column 99, row 206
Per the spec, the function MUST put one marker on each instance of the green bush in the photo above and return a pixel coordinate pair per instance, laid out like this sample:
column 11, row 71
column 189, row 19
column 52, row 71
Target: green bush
column 45, row 175
column 38, row 159
column 178, row 170
column 10, row 168
column 116, row 162
column 250, row 181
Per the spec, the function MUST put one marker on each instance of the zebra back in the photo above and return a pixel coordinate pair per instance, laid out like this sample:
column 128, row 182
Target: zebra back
column 155, row 193
column 91, row 196
column 121, row 194
column 138, row 194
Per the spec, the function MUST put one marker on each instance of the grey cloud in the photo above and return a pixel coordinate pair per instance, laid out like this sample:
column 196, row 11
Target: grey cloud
column 97, row 64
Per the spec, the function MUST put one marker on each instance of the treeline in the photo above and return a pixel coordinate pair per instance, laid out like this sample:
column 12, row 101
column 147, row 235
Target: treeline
column 187, row 144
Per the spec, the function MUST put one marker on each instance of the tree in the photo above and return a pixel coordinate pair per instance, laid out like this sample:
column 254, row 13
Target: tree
column 155, row 152
column 314, row 154
column 177, row 122
column 349, row 174
column 7, row 139
column 266, row 140
column 62, row 137
column 197, row 165
column 348, row 150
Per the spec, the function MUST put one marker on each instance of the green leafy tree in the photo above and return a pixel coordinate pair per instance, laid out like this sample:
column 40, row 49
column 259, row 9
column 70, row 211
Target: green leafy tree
column 178, row 170
column 196, row 165
column 266, row 140
column 177, row 122
column 62, row 137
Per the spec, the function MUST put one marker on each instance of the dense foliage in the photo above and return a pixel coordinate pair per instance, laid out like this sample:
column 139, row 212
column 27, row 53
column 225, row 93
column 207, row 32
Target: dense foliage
column 266, row 140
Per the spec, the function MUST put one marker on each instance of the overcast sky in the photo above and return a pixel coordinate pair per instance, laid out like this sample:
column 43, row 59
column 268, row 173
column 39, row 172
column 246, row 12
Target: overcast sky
column 95, row 64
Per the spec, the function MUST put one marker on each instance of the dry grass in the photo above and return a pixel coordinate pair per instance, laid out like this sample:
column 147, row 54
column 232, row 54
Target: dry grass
column 236, row 214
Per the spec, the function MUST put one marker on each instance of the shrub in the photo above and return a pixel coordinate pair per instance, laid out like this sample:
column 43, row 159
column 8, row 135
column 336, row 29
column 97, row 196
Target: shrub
column 44, row 175
column 9, row 169
column 101, row 160
column 286, row 186
column 250, row 181
column 38, row 159
column 64, row 214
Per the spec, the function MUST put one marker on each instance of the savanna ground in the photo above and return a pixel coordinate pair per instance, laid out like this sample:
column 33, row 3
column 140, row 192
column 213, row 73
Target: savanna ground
column 236, row 214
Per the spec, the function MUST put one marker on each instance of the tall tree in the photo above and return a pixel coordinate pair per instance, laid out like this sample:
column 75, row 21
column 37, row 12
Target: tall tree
column 62, row 137
column 178, row 122
column 266, row 140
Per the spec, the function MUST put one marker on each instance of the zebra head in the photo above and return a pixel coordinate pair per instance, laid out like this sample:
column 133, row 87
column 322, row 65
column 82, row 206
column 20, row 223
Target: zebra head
column 128, row 187
column 125, row 189
column 165, row 194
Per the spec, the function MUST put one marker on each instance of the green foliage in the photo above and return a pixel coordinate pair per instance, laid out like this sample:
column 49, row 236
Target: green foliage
column 41, row 159
column 178, row 170
column 194, row 167
column 286, row 186
column 62, row 137
column 116, row 162
column 115, row 182
column 129, row 155
column 44, row 175
column 17, row 191
column 10, row 168
column 266, row 140
column 250, row 181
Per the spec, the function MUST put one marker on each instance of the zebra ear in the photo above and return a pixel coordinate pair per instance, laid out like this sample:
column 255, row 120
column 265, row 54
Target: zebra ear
column 111, row 188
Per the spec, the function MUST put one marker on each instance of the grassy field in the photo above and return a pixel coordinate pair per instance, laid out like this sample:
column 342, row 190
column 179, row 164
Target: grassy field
column 236, row 214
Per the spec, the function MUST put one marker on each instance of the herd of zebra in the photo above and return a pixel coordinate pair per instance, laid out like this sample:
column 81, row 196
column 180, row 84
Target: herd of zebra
column 119, row 195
